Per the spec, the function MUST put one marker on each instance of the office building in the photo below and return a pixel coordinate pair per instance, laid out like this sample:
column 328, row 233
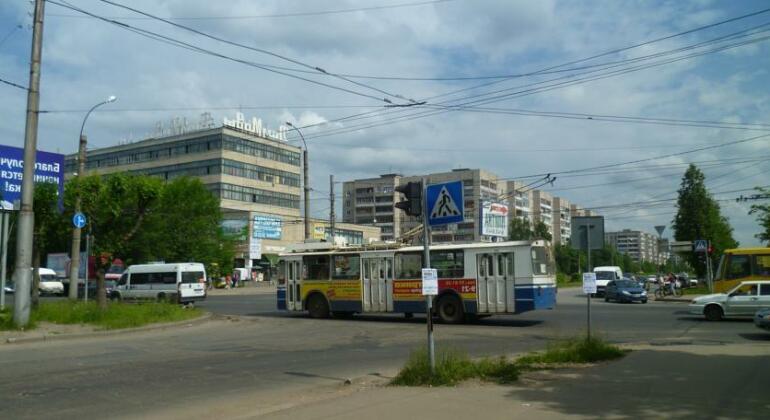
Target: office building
column 253, row 171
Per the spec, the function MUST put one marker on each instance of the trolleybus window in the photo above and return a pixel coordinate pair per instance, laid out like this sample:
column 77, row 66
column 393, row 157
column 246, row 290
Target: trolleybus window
column 541, row 263
column 316, row 267
column 449, row 264
column 409, row 266
column 346, row 267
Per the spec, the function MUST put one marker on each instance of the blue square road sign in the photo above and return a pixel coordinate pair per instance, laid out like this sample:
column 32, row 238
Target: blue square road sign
column 445, row 203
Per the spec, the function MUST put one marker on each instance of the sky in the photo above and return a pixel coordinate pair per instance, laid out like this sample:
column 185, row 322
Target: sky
column 580, row 62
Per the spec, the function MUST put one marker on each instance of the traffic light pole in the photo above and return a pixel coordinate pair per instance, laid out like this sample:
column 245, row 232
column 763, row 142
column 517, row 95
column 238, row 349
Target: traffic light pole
column 428, row 298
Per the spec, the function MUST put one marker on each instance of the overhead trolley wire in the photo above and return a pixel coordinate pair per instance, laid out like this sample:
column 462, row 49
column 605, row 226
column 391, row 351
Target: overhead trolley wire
column 317, row 69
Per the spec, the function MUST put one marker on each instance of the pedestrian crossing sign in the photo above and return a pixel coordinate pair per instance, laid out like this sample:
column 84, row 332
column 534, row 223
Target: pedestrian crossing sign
column 445, row 203
column 700, row 245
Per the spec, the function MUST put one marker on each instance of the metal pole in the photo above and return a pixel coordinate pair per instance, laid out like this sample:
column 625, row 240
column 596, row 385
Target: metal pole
column 331, row 208
column 426, row 257
column 76, row 232
column 588, row 245
column 88, row 257
column 23, row 272
column 4, row 258
column 306, row 177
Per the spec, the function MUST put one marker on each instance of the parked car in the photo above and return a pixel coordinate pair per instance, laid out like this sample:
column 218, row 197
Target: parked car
column 625, row 291
column 9, row 287
column 49, row 283
column 744, row 300
column 109, row 286
column 762, row 319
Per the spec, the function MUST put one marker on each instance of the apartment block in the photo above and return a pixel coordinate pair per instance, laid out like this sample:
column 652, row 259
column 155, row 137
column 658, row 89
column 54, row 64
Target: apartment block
column 640, row 246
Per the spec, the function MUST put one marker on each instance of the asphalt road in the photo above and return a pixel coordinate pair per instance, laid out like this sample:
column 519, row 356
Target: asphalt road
column 279, row 358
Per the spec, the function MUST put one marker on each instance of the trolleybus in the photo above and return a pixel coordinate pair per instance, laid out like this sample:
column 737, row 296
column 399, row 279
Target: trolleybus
column 477, row 279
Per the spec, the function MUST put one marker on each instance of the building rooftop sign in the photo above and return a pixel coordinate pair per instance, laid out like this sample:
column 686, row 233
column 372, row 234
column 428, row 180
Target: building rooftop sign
column 255, row 127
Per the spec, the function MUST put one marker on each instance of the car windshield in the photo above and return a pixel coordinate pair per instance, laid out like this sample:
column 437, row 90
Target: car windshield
column 48, row 277
column 625, row 284
column 605, row 275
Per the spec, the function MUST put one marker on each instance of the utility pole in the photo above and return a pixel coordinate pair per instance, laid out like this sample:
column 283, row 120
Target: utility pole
column 23, row 272
column 426, row 257
column 305, row 180
column 75, row 255
column 331, row 209
column 306, row 177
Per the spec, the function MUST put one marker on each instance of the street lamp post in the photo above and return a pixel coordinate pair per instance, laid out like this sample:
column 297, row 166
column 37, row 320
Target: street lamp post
column 75, row 258
column 305, row 177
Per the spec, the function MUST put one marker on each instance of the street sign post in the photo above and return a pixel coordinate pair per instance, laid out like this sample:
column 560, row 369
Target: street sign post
column 79, row 220
column 589, row 288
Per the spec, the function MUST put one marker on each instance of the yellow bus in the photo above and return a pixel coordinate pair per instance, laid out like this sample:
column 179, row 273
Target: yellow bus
column 741, row 264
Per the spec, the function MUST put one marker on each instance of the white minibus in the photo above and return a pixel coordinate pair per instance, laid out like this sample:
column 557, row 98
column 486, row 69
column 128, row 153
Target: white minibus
column 179, row 282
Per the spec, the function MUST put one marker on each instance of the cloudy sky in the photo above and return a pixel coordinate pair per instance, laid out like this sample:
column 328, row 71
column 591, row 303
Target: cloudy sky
column 587, row 65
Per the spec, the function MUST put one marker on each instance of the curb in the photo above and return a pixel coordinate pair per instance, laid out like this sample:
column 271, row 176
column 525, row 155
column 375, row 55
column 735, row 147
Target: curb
column 106, row 333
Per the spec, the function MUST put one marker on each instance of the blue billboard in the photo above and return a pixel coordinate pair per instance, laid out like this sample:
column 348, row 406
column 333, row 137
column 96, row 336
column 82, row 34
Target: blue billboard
column 266, row 227
column 49, row 167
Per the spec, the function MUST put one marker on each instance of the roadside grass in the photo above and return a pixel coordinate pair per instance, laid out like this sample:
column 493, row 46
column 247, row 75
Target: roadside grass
column 453, row 366
column 573, row 350
column 117, row 315
column 698, row 290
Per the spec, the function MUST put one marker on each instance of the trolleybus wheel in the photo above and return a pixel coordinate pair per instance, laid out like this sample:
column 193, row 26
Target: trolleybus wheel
column 450, row 309
column 317, row 307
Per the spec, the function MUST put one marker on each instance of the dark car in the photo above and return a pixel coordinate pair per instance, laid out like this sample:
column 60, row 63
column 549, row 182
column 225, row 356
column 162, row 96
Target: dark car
column 109, row 286
column 762, row 319
column 625, row 291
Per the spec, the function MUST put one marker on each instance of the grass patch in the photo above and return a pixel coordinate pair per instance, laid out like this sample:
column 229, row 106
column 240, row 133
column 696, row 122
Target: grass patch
column 574, row 350
column 453, row 367
column 6, row 321
column 118, row 315
column 698, row 290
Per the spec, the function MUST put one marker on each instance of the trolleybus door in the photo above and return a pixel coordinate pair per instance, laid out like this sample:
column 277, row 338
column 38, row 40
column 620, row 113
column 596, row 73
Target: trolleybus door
column 505, row 282
column 388, row 279
column 293, row 287
column 366, row 274
column 378, row 274
column 486, row 290
column 492, row 274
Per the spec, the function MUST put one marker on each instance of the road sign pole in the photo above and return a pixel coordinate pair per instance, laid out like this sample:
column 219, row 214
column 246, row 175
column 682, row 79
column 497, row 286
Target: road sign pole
column 4, row 258
column 588, row 295
column 426, row 257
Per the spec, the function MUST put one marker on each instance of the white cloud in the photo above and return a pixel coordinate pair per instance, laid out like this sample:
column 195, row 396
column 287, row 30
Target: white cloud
column 86, row 60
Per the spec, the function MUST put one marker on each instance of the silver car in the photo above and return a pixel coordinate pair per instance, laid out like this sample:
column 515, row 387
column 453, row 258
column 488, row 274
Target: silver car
column 742, row 301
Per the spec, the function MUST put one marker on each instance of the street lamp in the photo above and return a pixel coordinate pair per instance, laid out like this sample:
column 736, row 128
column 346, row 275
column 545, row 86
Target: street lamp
column 305, row 177
column 75, row 257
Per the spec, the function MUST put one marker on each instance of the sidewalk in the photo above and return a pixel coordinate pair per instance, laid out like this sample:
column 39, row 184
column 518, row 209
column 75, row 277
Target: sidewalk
column 638, row 386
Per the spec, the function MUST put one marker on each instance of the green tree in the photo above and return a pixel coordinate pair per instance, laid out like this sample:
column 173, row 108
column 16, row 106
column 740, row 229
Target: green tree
column 117, row 207
column 540, row 231
column 519, row 229
column 185, row 226
column 763, row 217
column 49, row 229
column 699, row 217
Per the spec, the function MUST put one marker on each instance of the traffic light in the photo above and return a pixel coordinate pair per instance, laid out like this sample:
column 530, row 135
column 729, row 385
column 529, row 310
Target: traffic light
column 413, row 204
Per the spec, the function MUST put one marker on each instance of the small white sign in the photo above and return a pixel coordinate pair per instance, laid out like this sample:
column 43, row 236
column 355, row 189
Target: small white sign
column 255, row 249
column 429, row 282
column 589, row 283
